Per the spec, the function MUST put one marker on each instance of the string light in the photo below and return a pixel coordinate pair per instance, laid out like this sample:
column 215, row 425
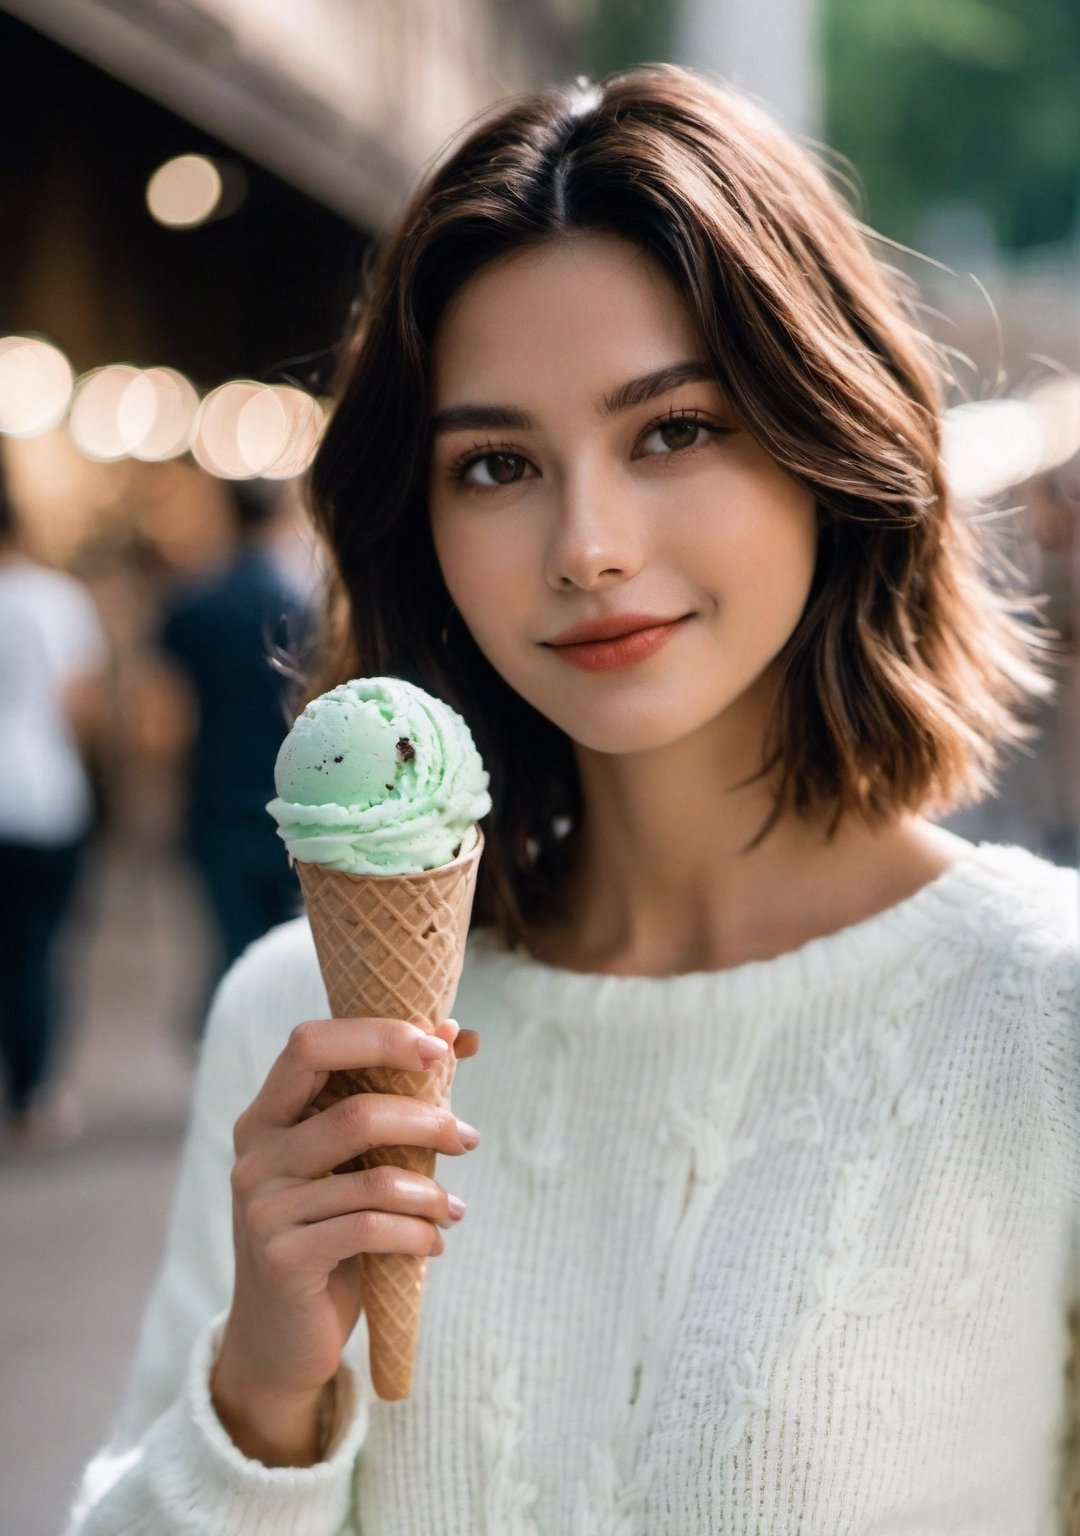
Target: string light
column 94, row 420
column 36, row 382
column 216, row 441
column 156, row 414
column 244, row 430
column 241, row 430
column 279, row 429
column 185, row 191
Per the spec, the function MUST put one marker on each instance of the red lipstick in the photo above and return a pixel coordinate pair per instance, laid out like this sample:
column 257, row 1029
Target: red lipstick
column 620, row 640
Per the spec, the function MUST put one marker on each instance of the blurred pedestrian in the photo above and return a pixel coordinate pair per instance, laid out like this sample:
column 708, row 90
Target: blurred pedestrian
column 52, row 658
column 229, row 634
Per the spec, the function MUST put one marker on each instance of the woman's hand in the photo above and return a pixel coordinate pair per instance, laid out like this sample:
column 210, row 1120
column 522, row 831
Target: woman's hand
column 298, row 1234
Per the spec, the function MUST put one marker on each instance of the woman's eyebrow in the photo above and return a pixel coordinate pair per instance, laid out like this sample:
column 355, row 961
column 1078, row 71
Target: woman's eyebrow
column 480, row 418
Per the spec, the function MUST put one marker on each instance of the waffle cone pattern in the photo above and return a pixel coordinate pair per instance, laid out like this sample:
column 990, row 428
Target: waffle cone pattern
column 391, row 946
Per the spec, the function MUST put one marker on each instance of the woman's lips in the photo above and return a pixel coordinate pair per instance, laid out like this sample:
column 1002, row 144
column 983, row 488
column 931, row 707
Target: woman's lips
column 620, row 651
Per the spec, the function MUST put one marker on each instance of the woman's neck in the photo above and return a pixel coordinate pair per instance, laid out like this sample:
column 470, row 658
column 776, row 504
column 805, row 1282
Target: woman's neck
column 659, row 880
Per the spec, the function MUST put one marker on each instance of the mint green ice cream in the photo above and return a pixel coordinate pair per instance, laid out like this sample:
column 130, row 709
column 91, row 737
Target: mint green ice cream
column 376, row 777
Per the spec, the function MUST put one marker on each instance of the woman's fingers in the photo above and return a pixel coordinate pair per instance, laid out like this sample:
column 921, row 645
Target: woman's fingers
column 316, row 1249
column 467, row 1044
column 352, row 1126
column 397, row 1191
column 321, row 1046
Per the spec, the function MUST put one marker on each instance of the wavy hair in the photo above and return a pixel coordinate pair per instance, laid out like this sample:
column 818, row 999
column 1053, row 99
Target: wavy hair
column 909, row 669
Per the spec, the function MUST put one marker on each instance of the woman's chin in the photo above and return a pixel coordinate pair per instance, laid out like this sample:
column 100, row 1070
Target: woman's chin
column 629, row 734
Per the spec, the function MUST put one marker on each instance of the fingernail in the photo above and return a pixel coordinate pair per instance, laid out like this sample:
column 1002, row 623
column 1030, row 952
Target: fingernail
column 455, row 1206
column 431, row 1049
column 468, row 1135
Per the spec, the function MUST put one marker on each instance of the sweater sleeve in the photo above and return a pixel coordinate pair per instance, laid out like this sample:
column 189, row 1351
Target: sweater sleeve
column 170, row 1469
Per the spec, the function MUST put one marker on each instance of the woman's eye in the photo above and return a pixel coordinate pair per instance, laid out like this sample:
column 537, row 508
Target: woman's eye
column 680, row 432
column 493, row 470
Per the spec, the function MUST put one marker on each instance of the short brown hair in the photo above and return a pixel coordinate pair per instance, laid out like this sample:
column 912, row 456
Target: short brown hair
column 908, row 670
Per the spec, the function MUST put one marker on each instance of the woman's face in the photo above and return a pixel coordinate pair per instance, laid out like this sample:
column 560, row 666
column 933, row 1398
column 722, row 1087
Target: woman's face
column 585, row 467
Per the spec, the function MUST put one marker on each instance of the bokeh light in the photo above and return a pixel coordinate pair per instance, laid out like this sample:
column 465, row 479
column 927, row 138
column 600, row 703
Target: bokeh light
column 990, row 445
column 184, row 192
column 216, row 441
column 246, row 430
column 262, row 428
column 36, row 382
column 156, row 414
column 1057, row 404
column 280, row 429
column 94, row 422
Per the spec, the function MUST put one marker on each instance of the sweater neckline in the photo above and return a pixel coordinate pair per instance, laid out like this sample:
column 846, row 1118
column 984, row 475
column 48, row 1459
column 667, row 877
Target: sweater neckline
column 933, row 918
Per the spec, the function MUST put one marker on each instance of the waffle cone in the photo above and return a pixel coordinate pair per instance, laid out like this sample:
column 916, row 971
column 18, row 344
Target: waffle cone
column 391, row 946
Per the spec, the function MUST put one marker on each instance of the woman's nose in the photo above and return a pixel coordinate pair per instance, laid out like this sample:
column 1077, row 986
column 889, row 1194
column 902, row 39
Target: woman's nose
column 595, row 540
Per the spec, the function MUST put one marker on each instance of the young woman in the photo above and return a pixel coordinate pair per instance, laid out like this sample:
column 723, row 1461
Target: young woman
column 635, row 461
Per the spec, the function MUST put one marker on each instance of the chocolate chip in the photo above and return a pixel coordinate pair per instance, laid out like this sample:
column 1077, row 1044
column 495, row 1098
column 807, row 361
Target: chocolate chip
column 406, row 750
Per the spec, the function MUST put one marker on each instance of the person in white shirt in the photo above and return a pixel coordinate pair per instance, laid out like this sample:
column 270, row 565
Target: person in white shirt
column 635, row 461
column 52, row 656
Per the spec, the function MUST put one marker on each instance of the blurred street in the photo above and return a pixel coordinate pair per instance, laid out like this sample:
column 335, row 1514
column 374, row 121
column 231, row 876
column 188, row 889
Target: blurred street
column 97, row 1207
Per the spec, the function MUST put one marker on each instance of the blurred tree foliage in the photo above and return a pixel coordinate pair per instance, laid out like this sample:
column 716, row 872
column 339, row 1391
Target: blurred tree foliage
column 619, row 33
column 978, row 100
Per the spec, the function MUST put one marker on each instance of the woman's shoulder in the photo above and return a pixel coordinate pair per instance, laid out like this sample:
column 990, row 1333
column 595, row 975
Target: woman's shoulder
column 1024, row 923
column 1032, row 954
column 1021, row 901
column 1021, row 918
column 275, row 984
column 277, row 978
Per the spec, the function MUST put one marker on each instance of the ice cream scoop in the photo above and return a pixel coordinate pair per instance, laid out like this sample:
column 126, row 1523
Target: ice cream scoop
column 377, row 777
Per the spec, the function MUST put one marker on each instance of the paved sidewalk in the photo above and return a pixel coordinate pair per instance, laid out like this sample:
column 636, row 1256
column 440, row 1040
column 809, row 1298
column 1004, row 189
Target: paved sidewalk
column 81, row 1227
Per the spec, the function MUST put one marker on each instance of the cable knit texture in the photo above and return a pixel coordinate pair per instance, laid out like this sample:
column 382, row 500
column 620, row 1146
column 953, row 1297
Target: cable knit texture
column 782, row 1250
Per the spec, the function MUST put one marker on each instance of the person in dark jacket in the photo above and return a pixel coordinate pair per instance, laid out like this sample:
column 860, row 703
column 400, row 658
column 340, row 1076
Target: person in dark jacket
column 231, row 633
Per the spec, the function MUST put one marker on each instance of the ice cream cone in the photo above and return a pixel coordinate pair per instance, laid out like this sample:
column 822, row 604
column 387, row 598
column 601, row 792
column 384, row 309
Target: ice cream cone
column 391, row 946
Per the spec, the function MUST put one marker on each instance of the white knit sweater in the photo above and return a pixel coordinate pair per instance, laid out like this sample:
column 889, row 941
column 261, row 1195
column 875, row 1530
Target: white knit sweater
column 785, row 1249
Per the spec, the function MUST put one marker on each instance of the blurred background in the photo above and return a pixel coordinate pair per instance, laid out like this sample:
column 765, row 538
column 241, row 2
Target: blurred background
column 189, row 192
